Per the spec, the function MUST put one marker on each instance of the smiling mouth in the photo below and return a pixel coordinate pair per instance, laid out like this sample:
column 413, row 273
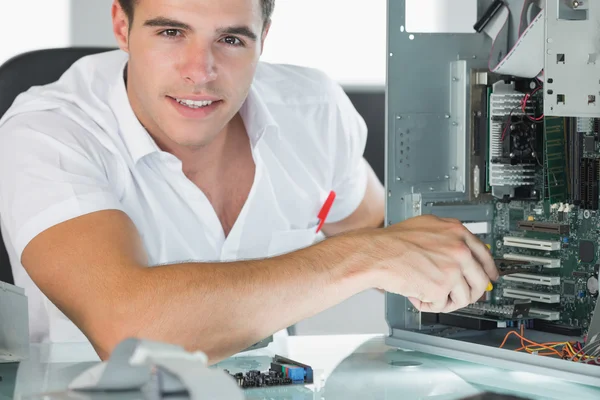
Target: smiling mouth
column 194, row 104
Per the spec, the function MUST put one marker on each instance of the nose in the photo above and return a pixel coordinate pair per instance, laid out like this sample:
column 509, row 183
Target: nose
column 198, row 65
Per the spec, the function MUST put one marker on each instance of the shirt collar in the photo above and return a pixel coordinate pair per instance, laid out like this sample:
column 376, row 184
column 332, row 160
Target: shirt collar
column 136, row 137
column 257, row 118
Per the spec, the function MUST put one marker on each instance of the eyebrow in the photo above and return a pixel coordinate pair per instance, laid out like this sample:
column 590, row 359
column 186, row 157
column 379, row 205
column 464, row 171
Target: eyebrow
column 167, row 22
column 238, row 30
column 162, row 22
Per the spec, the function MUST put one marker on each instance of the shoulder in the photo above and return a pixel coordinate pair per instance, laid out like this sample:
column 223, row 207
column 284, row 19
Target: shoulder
column 49, row 136
column 73, row 110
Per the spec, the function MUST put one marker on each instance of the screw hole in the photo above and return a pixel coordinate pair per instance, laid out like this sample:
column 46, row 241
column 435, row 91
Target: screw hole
column 550, row 80
column 411, row 37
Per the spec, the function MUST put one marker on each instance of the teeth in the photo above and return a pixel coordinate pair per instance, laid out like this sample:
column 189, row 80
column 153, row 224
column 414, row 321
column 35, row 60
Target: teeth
column 194, row 104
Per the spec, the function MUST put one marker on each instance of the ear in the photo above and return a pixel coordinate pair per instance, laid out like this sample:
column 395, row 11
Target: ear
column 264, row 36
column 120, row 26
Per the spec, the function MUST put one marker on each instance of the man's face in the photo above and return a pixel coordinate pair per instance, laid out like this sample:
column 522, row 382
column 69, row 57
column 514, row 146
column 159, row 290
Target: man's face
column 202, row 53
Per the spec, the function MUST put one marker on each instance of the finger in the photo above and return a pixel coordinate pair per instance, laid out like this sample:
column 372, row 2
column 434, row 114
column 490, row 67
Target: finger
column 460, row 296
column 476, row 278
column 436, row 307
column 451, row 220
column 483, row 256
column 416, row 303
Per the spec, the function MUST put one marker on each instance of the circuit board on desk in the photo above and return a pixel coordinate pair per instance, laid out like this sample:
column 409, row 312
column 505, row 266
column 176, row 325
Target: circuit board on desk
column 282, row 372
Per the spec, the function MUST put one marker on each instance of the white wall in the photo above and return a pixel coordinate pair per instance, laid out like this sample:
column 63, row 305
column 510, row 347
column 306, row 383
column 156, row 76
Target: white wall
column 32, row 25
column 344, row 38
column 91, row 23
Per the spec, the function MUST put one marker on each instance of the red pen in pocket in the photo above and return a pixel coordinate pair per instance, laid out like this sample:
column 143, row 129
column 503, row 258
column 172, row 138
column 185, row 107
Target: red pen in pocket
column 325, row 210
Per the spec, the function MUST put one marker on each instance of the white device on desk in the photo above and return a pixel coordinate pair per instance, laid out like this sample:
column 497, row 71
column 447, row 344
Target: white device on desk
column 14, row 324
column 502, row 131
column 158, row 369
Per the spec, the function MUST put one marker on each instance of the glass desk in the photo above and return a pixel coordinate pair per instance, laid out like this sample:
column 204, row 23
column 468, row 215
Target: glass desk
column 345, row 368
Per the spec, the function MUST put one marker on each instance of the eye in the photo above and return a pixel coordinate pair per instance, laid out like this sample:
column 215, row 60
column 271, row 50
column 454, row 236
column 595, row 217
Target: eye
column 233, row 41
column 171, row 33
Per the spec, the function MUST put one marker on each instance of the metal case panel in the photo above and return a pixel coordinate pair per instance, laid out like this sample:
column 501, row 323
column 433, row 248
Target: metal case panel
column 572, row 66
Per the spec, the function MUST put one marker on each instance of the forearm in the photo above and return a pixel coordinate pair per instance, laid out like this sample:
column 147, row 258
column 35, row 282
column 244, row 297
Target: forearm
column 223, row 308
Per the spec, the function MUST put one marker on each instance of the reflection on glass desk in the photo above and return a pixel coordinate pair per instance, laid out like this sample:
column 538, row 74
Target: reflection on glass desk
column 345, row 367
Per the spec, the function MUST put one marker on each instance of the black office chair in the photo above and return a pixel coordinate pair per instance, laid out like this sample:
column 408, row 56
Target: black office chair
column 20, row 73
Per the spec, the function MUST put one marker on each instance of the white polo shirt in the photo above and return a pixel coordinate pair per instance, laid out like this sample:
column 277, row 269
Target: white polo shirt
column 75, row 147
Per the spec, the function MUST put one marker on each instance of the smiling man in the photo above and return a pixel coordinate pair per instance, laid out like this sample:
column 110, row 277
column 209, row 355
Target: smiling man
column 184, row 153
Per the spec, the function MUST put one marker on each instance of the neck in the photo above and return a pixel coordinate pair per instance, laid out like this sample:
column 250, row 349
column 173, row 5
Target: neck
column 209, row 159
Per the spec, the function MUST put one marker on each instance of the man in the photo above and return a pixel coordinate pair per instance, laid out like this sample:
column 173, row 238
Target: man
column 182, row 152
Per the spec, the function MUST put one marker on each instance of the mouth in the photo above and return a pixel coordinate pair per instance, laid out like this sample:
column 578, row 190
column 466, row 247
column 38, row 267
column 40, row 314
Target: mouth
column 195, row 108
column 195, row 103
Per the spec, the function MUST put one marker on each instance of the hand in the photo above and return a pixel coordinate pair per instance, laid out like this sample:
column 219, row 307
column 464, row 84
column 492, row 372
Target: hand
column 435, row 262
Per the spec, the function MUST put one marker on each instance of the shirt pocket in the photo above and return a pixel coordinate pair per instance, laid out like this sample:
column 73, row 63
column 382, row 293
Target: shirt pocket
column 284, row 242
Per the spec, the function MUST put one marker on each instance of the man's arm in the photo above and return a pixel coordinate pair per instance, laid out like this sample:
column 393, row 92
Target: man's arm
column 95, row 270
column 370, row 212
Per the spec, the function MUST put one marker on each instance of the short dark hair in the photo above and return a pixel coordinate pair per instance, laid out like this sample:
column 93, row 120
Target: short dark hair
column 267, row 8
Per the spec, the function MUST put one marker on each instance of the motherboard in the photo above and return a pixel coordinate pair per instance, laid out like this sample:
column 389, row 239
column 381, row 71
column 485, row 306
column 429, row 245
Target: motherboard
column 542, row 177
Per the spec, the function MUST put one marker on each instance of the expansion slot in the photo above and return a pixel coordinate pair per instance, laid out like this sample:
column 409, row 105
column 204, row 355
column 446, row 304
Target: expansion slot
column 534, row 244
column 575, row 145
column 546, row 262
column 545, row 227
column 534, row 279
column 548, row 314
column 589, row 176
column 539, row 297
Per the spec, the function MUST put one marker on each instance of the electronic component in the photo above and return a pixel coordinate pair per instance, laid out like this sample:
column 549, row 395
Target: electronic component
column 546, row 262
column 541, row 297
column 534, row 279
column 535, row 244
column 589, row 174
column 254, row 379
column 592, row 285
column 585, row 125
column 283, row 372
column 518, row 310
column 298, row 373
column 513, row 150
column 546, row 227
column 548, row 315
column 589, row 144
column 556, row 159
column 587, row 251
column 569, row 288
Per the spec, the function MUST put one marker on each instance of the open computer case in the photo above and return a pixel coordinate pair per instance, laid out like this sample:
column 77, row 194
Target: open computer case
column 493, row 113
